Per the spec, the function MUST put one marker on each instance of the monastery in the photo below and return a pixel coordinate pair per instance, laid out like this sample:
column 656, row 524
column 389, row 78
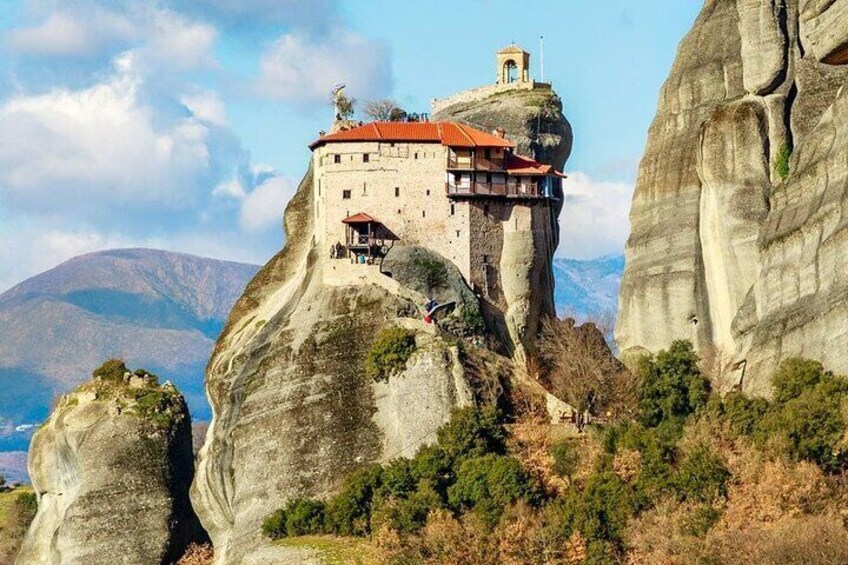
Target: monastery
column 445, row 186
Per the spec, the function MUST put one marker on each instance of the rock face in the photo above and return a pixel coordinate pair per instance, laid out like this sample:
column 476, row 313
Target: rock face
column 294, row 411
column 111, row 468
column 727, row 248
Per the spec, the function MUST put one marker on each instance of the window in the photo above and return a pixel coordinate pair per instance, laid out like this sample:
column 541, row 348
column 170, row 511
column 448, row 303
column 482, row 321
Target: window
column 453, row 209
column 416, row 155
column 397, row 191
column 428, row 192
column 365, row 157
column 364, row 189
column 398, row 210
column 346, row 194
column 488, row 154
column 423, row 213
column 337, row 158
column 457, row 233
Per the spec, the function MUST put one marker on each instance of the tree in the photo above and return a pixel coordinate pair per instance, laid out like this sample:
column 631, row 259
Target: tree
column 580, row 369
column 344, row 106
column 671, row 385
column 385, row 110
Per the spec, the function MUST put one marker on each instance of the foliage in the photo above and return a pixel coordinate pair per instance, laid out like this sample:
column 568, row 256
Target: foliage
column 112, row 370
column 431, row 272
column 672, row 387
column 565, row 458
column 781, row 165
column 702, row 476
column 489, row 483
column 604, row 509
column 345, row 106
column 349, row 512
column 743, row 413
column 794, row 376
column 298, row 517
column 197, row 554
column 388, row 355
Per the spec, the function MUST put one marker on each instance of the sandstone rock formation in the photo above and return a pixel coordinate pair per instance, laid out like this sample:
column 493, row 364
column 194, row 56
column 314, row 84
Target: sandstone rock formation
column 724, row 250
column 111, row 468
column 294, row 411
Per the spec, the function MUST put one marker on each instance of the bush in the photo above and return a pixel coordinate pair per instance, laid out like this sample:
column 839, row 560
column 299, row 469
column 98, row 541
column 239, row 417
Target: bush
column 432, row 272
column 566, row 459
column 794, row 376
column 701, row 520
column 472, row 433
column 604, row 509
column 299, row 517
column 111, row 370
column 488, row 484
column 672, row 387
column 349, row 512
column 389, row 353
column 407, row 515
column 702, row 476
column 743, row 413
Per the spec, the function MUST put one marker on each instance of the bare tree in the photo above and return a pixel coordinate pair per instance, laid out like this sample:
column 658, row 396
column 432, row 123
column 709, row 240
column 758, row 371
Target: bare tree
column 579, row 368
column 385, row 110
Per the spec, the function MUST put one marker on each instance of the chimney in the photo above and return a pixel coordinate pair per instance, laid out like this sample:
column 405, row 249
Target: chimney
column 500, row 132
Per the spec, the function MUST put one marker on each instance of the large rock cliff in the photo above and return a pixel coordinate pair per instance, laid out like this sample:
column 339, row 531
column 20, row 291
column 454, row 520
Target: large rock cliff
column 734, row 244
column 294, row 411
column 111, row 468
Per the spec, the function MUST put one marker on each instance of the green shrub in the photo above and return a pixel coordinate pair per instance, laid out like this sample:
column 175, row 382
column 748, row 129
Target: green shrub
column 299, row 517
column 702, row 476
column 488, row 484
column 408, row 514
column 566, row 459
column 349, row 512
column 672, row 387
column 389, row 353
column 794, row 376
column 781, row 164
column 472, row 433
column 274, row 525
column 111, row 370
column 432, row 272
column 604, row 508
column 743, row 413
column 658, row 449
column 813, row 426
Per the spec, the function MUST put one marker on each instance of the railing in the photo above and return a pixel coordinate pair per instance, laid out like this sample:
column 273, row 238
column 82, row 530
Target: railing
column 515, row 189
column 479, row 164
column 460, row 163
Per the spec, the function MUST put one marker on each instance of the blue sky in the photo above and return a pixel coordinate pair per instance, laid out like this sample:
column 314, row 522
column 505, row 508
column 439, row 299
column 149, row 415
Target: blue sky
column 183, row 124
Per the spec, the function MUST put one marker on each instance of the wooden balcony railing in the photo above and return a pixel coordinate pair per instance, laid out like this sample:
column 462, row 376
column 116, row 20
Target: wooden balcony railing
column 515, row 189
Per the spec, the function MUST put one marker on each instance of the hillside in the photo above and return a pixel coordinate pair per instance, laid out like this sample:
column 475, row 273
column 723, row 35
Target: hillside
column 156, row 309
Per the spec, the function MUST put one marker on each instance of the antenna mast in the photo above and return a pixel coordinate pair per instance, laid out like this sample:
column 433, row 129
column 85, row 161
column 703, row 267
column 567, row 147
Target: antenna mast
column 542, row 56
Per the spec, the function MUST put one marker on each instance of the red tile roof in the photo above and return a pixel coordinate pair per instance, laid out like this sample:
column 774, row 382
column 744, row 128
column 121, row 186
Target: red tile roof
column 447, row 133
column 520, row 165
column 360, row 218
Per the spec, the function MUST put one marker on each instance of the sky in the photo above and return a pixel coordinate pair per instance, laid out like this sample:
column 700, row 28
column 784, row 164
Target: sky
column 184, row 124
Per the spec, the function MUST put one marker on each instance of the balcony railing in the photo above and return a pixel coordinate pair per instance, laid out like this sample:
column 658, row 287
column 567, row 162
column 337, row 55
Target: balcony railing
column 514, row 189
column 478, row 164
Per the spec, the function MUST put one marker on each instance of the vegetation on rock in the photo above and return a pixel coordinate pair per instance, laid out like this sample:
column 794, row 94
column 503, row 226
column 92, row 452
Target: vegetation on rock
column 392, row 348
column 781, row 165
column 672, row 482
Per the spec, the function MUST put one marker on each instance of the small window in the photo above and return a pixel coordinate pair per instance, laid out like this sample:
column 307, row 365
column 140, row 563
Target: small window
column 365, row 157
column 488, row 153
column 423, row 213
column 416, row 155
column 397, row 191
column 364, row 189
column 453, row 209
column 457, row 233
column 428, row 192
column 346, row 194
column 337, row 158
column 398, row 210
column 391, row 144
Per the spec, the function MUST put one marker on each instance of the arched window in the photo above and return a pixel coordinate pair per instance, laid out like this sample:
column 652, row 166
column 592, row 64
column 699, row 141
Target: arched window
column 510, row 71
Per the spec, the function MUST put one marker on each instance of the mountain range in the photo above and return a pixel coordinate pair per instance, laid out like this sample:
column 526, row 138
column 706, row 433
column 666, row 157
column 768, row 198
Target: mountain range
column 161, row 311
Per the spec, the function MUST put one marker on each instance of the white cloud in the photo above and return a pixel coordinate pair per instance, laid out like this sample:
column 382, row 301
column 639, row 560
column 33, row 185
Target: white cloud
column 263, row 206
column 594, row 220
column 300, row 68
column 98, row 147
column 68, row 33
column 207, row 106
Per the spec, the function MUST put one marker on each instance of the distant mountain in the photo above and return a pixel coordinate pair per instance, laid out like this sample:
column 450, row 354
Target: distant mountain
column 155, row 309
column 588, row 289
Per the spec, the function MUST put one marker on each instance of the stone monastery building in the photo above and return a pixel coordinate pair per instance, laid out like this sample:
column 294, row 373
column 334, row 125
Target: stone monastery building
column 446, row 186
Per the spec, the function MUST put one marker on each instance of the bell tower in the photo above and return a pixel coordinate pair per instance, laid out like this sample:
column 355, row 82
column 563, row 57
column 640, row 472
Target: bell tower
column 513, row 65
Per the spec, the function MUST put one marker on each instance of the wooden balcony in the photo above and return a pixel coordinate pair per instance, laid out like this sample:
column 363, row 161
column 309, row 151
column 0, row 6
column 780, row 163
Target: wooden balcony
column 478, row 164
column 512, row 189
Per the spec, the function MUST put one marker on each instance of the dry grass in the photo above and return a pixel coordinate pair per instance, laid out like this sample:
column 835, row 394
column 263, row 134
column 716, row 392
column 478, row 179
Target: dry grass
column 12, row 530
